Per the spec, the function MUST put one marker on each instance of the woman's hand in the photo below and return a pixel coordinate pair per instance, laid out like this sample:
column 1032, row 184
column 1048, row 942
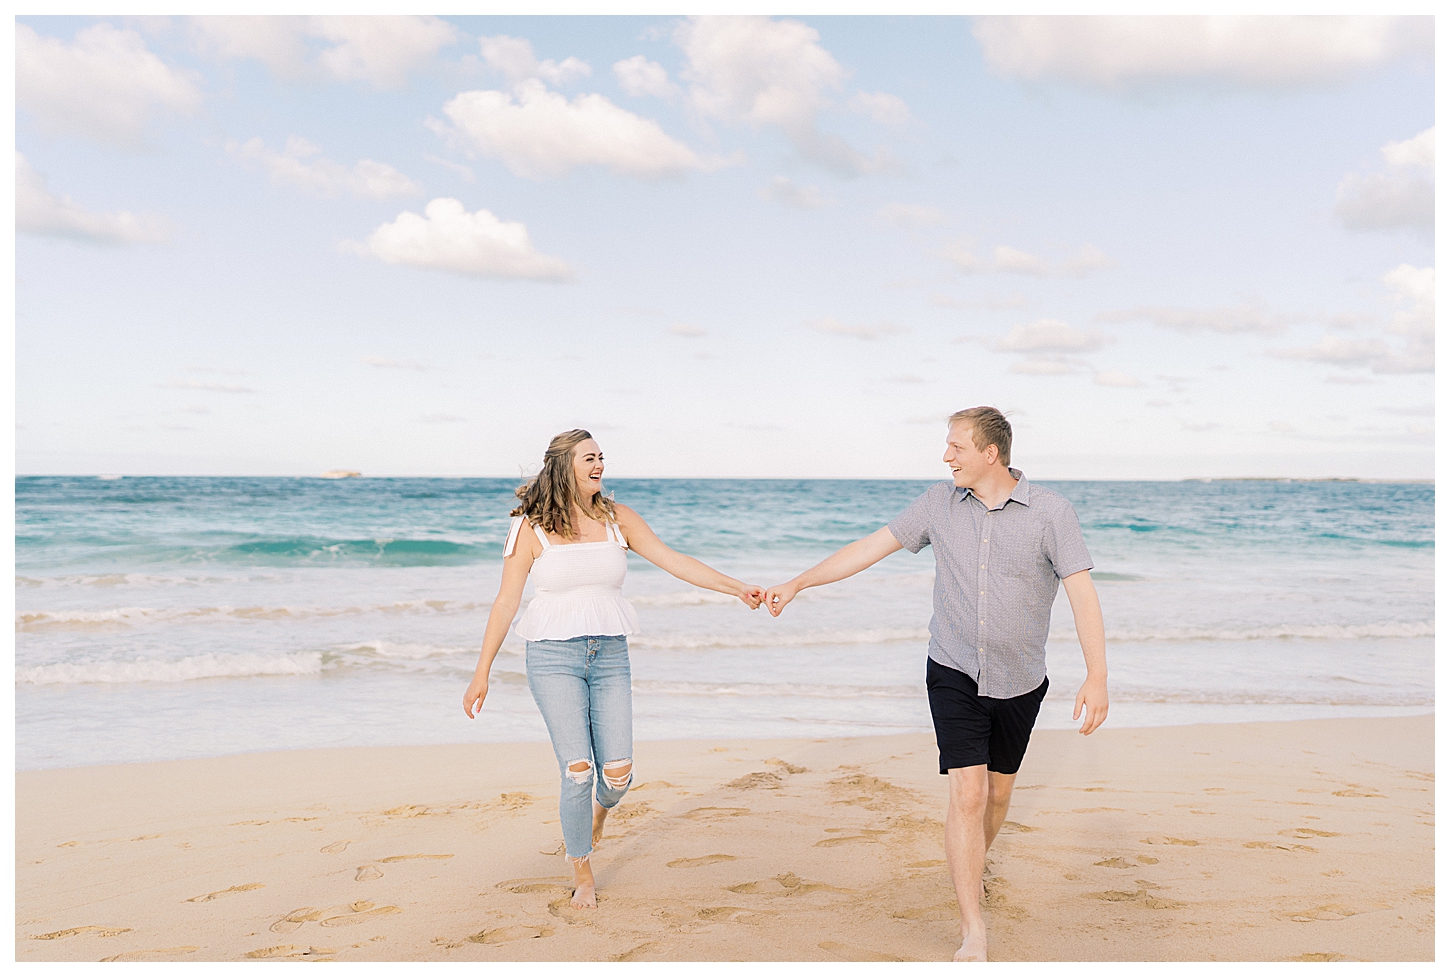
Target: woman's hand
column 473, row 698
column 751, row 595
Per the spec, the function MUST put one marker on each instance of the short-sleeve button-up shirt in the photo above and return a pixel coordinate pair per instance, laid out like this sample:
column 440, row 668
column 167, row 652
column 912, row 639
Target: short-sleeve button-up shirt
column 996, row 578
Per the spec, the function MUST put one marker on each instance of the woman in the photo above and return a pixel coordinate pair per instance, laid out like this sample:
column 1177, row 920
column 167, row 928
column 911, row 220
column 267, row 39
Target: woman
column 576, row 654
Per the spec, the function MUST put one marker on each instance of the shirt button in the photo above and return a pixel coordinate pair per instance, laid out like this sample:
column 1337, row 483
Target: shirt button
column 981, row 593
column 983, row 566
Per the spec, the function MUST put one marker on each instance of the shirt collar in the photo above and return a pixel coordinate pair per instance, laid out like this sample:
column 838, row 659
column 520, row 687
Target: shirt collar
column 1019, row 494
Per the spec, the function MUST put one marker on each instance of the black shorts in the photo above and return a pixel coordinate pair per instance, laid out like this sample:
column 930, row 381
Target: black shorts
column 972, row 729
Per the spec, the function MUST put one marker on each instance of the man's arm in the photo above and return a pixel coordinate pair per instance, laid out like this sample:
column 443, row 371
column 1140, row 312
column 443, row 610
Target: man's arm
column 849, row 559
column 1087, row 614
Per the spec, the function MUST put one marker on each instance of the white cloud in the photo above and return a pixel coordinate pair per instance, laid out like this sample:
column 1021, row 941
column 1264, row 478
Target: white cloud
column 1045, row 366
column 300, row 166
column 1402, row 197
column 911, row 215
column 538, row 133
column 275, row 41
column 762, row 72
column 1418, row 151
column 1118, row 53
column 514, row 58
column 640, row 76
column 383, row 363
column 1116, row 378
column 1236, row 319
column 1050, row 336
column 105, row 85
column 380, row 50
column 1081, row 263
column 686, row 330
column 783, row 190
column 867, row 332
column 962, row 257
column 880, row 107
column 1408, row 286
column 38, row 211
column 449, row 238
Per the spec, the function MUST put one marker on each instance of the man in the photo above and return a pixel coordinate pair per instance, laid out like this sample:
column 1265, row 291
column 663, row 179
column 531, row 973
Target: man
column 1000, row 546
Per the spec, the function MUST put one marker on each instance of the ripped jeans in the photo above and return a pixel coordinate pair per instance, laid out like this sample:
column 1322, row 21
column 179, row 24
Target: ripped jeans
column 582, row 688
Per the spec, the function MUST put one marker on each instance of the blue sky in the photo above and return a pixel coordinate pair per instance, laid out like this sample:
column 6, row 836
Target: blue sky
column 729, row 247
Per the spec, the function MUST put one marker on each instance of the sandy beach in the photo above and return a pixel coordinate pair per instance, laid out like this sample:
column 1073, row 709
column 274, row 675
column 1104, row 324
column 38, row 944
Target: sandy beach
column 1309, row 840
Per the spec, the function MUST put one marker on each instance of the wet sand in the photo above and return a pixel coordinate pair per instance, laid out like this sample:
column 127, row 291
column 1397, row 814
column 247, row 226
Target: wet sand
column 1310, row 840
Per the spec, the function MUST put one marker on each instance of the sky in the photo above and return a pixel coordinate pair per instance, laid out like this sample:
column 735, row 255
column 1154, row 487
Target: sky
column 729, row 247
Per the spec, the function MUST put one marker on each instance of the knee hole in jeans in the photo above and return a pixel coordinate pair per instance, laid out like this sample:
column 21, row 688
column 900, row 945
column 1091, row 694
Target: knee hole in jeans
column 618, row 773
column 579, row 771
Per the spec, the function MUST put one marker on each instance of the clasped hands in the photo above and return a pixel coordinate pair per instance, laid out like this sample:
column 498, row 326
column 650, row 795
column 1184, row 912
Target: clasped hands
column 774, row 598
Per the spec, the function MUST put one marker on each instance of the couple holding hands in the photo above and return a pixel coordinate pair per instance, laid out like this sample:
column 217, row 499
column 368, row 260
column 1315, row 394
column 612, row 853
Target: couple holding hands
column 1001, row 546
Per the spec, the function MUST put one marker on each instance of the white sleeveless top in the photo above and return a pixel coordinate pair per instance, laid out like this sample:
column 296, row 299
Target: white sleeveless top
column 577, row 588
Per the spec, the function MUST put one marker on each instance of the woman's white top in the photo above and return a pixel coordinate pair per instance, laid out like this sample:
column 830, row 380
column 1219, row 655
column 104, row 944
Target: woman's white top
column 577, row 588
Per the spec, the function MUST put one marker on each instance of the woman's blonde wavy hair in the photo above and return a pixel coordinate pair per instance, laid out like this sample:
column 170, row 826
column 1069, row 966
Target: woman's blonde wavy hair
column 547, row 499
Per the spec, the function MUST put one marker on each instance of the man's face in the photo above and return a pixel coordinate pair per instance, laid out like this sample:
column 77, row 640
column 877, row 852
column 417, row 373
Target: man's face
column 967, row 463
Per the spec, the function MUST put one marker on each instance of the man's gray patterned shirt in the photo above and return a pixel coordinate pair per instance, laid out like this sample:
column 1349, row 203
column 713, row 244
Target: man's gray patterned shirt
column 996, row 577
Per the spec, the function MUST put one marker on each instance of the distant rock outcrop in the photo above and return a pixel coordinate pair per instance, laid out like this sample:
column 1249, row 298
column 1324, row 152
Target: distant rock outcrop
column 340, row 473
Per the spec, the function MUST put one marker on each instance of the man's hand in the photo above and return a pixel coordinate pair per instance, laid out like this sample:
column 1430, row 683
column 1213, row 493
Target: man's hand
column 473, row 698
column 1092, row 699
column 778, row 596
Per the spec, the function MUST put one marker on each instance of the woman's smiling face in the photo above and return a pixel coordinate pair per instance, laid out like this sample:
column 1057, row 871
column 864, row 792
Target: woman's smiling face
column 588, row 468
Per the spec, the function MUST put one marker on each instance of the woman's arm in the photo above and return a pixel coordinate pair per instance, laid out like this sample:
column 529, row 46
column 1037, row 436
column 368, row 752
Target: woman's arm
column 510, row 591
column 643, row 541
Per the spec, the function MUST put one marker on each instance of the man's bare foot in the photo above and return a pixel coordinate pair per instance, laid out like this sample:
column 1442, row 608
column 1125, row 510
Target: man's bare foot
column 600, row 813
column 974, row 947
column 583, row 885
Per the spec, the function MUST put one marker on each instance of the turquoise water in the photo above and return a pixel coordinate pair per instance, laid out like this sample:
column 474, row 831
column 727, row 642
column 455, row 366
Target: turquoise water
column 171, row 617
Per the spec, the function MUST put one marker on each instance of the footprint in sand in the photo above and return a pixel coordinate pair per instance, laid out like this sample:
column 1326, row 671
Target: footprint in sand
column 787, row 767
column 84, row 931
column 1270, row 844
column 873, row 793
column 289, row 950
column 225, row 892
column 867, row 836
column 508, row 934
column 715, row 813
column 550, row 884
column 761, row 780
column 1163, row 840
column 354, row 918
column 1358, row 790
column 404, row 858
column 721, row 914
column 1116, row 862
column 1308, row 833
column 170, row 951
column 1318, row 958
column 1142, row 897
column 366, row 873
column 555, row 849
column 788, row 884
column 928, row 863
column 636, row 953
column 1012, row 827
column 697, row 862
column 291, row 922
column 335, row 847
column 844, row 952
column 1331, row 913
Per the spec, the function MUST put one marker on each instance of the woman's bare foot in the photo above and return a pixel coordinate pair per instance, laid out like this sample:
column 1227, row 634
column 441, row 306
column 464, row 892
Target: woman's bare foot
column 583, row 885
column 974, row 946
column 600, row 813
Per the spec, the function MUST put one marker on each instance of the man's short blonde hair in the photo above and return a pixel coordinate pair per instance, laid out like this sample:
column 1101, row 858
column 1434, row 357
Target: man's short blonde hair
column 989, row 426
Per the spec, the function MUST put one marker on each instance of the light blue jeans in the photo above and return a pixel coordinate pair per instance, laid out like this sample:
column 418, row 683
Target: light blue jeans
column 582, row 688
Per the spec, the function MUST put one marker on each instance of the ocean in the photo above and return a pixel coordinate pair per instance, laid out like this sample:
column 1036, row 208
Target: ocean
column 165, row 618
